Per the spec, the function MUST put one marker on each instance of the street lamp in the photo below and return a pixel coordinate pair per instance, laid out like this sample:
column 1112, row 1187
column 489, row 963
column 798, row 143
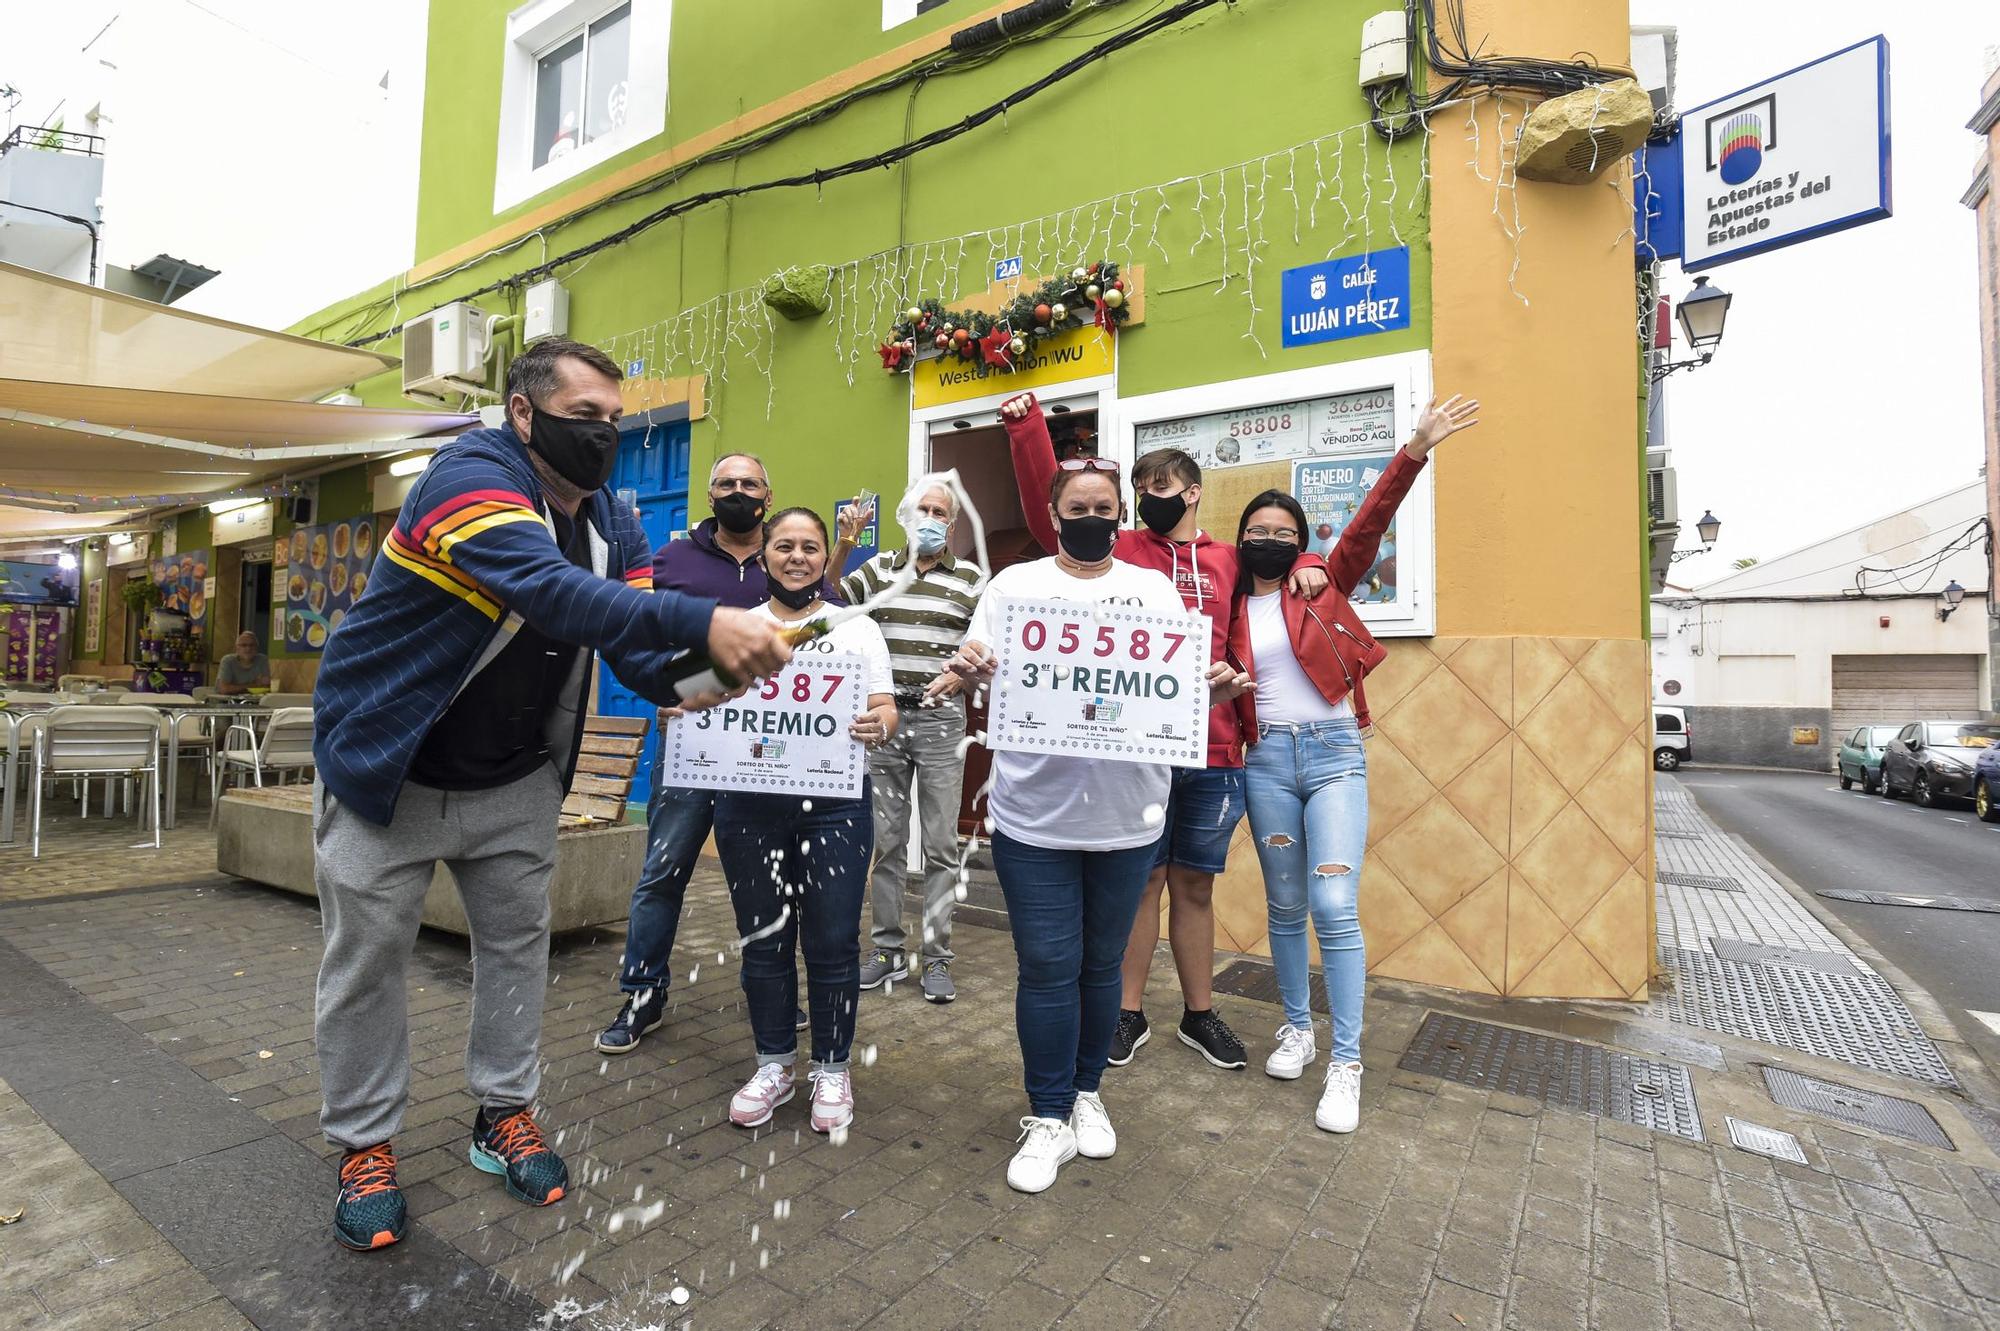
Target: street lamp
column 1703, row 312
column 1949, row 598
column 1708, row 529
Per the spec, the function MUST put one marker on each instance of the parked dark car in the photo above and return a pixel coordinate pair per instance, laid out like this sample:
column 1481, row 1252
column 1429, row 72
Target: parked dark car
column 1986, row 784
column 1933, row 760
column 1860, row 757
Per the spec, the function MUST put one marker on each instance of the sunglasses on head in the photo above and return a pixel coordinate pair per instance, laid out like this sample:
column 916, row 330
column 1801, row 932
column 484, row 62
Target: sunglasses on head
column 1087, row 464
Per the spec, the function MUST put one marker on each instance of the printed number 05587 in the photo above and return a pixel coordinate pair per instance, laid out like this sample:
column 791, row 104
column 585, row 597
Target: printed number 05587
column 1103, row 642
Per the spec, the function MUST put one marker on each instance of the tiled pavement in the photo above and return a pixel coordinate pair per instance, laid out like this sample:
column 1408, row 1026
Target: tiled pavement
column 1451, row 1208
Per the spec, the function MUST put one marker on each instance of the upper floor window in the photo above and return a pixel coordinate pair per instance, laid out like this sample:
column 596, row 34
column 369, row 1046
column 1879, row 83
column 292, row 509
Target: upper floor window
column 902, row 11
column 581, row 81
column 581, row 87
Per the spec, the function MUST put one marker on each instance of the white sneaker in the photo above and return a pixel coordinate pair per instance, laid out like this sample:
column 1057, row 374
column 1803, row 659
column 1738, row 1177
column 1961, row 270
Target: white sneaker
column 1047, row 1144
column 1295, row 1052
column 1094, row 1138
column 1340, row 1103
column 760, row 1097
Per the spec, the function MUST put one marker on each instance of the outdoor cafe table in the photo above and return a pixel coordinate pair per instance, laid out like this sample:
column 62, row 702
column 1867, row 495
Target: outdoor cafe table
column 13, row 714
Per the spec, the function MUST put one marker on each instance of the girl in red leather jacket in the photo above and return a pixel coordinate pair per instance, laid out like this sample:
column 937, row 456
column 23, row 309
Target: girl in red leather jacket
column 1306, row 773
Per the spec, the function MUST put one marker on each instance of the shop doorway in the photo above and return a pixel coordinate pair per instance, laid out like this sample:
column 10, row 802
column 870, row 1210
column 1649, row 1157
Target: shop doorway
column 254, row 613
column 975, row 443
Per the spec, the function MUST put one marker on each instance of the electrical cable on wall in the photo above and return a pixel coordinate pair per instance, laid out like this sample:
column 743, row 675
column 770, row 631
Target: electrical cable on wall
column 1054, row 15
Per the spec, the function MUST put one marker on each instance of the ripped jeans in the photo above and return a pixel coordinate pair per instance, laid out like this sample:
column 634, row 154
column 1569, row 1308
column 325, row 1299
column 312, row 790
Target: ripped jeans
column 1308, row 793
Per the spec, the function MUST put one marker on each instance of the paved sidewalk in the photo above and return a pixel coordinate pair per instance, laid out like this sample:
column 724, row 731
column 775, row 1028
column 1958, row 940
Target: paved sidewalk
column 165, row 1036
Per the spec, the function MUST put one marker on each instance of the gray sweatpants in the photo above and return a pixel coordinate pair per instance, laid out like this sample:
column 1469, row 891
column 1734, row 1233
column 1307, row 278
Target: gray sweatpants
column 925, row 754
column 501, row 847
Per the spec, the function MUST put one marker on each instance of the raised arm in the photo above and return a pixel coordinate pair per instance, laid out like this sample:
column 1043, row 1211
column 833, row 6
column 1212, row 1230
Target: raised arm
column 1355, row 553
column 1034, row 463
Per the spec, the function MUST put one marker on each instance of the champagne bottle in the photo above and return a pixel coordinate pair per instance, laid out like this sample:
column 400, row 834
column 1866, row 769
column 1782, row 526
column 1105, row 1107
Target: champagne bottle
column 694, row 674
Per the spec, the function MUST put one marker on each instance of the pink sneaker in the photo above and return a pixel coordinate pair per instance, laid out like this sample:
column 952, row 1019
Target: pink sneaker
column 760, row 1097
column 833, row 1099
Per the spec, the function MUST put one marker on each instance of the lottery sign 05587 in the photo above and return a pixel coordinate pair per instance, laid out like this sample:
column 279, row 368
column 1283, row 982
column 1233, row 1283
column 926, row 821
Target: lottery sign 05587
column 788, row 735
column 1112, row 682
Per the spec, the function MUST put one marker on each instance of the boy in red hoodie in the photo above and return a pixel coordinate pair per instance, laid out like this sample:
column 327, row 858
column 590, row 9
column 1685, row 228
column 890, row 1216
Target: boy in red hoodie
column 1208, row 802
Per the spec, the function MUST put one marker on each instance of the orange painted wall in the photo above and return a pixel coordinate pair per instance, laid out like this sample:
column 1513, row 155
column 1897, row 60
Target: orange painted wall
column 1537, row 510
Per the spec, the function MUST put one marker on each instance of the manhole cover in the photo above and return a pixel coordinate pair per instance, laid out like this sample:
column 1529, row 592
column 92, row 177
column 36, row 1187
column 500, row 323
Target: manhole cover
column 1826, row 963
column 1707, row 881
column 1566, row 1073
column 1858, row 1019
column 1916, row 899
column 1757, row 1138
column 1851, row 1104
column 1247, row 979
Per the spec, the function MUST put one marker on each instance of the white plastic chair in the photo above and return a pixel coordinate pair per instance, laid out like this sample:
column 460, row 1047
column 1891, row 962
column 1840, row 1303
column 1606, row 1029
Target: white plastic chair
column 285, row 748
column 196, row 742
column 84, row 741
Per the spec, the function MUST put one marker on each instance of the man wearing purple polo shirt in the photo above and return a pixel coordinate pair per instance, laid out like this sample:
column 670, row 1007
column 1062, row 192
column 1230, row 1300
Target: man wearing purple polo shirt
column 721, row 558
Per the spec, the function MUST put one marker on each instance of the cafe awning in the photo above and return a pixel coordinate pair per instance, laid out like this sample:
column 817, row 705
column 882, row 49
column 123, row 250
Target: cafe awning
column 58, row 331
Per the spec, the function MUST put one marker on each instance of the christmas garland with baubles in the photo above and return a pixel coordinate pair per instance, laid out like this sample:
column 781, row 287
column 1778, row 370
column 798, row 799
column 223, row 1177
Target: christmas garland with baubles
column 1092, row 294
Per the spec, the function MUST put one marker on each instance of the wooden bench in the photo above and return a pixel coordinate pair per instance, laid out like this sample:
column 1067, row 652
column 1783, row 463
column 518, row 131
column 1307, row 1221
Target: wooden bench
column 613, row 748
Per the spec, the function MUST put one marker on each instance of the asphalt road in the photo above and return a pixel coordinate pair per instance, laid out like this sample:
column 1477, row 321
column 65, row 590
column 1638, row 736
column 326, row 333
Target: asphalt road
column 1822, row 837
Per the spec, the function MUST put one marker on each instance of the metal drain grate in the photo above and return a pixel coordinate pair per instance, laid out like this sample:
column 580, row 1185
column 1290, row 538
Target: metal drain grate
column 1755, row 1137
column 1247, row 979
column 1856, row 1019
column 1912, row 899
column 1851, row 1104
column 1677, row 836
column 1827, row 963
column 1708, row 881
column 1566, row 1073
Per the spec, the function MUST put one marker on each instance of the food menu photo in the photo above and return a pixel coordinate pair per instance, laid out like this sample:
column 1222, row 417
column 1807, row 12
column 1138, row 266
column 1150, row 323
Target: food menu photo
column 326, row 572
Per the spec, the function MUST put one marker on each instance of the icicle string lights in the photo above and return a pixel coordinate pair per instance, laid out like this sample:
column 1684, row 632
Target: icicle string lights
column 1226, row 209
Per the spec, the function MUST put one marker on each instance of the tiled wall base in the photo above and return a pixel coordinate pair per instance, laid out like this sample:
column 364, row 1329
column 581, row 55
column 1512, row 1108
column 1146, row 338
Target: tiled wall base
column 1510, row 829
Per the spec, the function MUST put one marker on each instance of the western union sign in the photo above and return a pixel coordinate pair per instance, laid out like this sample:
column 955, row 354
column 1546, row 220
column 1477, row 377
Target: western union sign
column 1085, row 353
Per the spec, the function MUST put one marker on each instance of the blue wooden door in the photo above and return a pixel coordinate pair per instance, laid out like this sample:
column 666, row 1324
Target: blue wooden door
column 652, row 460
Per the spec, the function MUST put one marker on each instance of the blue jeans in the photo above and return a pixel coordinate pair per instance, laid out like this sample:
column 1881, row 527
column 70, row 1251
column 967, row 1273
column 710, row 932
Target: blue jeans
column 797, row 870
column 1202, row 813
column 677, row 822
column 1071, row 912
column 1308, row 793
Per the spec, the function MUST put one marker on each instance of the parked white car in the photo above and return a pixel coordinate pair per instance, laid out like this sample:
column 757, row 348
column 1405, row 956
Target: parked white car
column 1673, row 738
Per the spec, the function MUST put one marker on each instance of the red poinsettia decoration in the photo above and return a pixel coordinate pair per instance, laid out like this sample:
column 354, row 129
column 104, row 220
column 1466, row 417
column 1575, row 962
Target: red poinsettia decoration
column 892, row 354
column 993, row 348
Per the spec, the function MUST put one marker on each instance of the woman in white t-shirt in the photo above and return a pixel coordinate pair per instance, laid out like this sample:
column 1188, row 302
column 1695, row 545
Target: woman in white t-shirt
column 798, row 867
column 1306, row 773
column 1073, row 843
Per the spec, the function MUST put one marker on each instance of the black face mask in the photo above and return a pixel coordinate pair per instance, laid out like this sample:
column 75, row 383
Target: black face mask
column 738, row 512
column 1087, row 540
column 1268, row 559
column 785, row 596
column 582, row 452
column 1162, row 513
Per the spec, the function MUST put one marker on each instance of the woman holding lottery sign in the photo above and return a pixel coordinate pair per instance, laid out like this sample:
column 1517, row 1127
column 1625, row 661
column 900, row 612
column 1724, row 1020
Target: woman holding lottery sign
column 1073, row 838
column 798, row 867
column 1306, row 772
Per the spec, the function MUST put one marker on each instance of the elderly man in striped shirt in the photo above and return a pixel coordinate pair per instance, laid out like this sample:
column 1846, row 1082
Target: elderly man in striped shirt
column 923, row 627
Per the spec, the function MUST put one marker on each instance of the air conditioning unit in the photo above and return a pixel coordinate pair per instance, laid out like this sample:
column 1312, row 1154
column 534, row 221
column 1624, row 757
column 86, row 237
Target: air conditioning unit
column 1663, row 497
column 444, row 352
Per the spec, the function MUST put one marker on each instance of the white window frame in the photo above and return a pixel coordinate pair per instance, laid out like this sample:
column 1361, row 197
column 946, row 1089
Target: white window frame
column 1407, row 375
column 539, row 27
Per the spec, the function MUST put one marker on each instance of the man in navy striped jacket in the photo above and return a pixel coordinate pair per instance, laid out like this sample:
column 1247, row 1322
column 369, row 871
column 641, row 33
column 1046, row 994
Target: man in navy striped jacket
column 448, row 716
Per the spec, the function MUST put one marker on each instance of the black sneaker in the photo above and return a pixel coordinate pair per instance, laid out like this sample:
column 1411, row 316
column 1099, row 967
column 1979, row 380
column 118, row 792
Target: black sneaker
column 641, row 1013
column 369, row 1212
column 512, row 1147
column 1131, row 1033
column 1210, row 1034
column 800, row 1021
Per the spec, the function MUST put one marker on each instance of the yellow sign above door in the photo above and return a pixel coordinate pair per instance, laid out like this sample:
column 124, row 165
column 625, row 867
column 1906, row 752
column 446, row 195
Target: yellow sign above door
column 1086, row 353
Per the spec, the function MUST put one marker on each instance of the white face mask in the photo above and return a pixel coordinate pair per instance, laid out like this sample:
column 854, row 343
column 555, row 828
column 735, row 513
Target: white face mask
column 931, row 536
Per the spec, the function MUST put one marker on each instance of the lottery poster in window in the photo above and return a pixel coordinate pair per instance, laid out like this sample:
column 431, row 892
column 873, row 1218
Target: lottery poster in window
column 786, row 736
column 1331, row 491
column 326, row 571
column 1112, row 682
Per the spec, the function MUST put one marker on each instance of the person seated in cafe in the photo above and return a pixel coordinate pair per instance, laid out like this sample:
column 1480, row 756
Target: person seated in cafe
column 244, row 669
